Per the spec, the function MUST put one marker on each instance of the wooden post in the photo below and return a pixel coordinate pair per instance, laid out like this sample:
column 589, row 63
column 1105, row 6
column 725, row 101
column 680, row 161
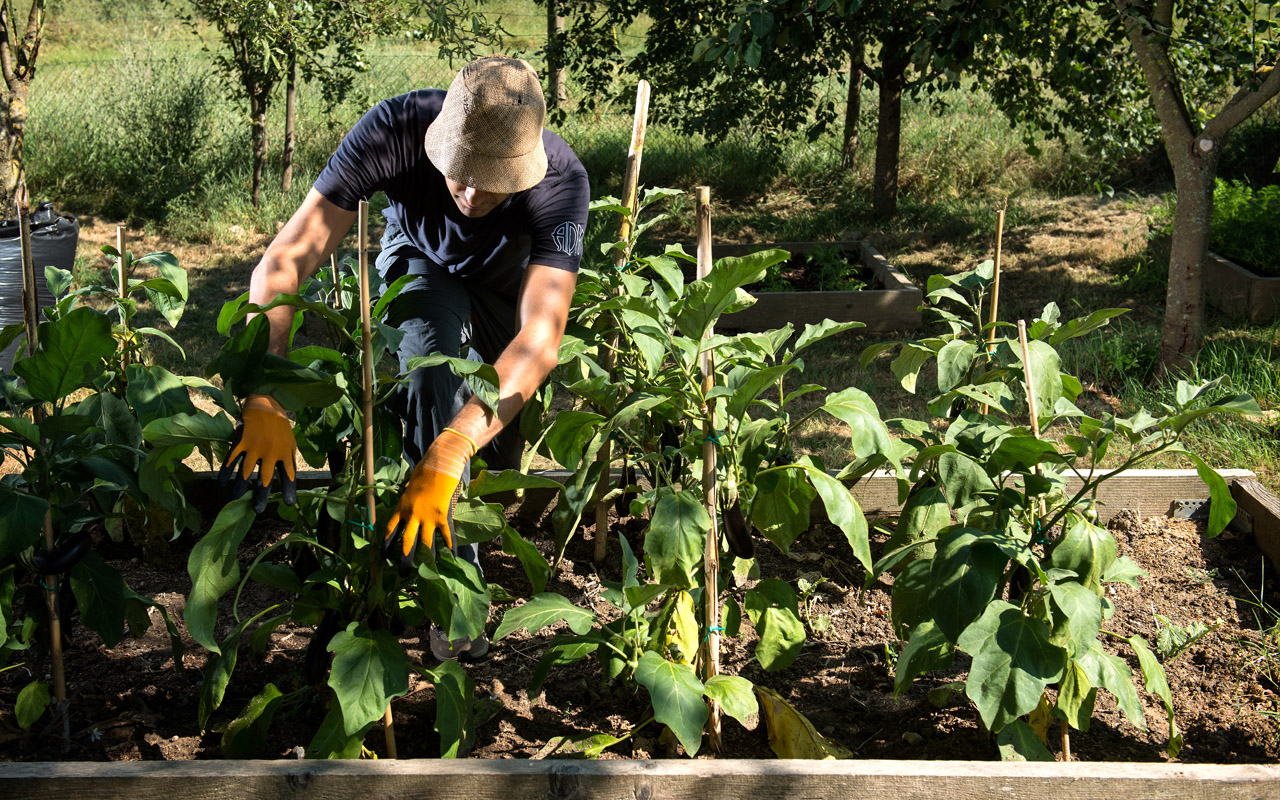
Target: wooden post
column 122, row 282
column 995, row 291
column 1035, row 431
column 31, row 317
column 370, row 498
column 711, row 554
column 630, row 186
column 337, row 280
column 631, row 178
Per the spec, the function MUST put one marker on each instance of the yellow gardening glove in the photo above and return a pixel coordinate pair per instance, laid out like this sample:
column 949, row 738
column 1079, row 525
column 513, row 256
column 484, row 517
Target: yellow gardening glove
column 263, row 439
column 428, row 498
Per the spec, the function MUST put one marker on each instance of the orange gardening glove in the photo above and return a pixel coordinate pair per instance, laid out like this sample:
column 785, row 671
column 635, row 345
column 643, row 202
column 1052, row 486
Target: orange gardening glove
column 428, row 498
column 263, row 439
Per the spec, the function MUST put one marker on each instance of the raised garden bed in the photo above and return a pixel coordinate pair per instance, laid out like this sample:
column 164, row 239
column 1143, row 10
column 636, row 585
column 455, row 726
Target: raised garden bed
column 131, row 705
column 1239, row 292
column 891, row 304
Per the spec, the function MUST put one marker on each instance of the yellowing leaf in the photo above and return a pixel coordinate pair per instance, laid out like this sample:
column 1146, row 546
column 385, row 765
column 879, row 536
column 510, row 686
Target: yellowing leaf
column 1039, row 719
column 791, row 735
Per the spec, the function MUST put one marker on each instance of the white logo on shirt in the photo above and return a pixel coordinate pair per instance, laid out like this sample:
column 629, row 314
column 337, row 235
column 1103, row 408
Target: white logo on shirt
column 568, row 238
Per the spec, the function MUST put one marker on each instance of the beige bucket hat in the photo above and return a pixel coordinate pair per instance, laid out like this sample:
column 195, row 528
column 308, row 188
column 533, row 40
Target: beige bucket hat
column 489, row 131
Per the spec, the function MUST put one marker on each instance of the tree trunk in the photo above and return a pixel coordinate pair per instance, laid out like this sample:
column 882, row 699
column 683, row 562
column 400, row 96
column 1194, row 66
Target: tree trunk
column 13, row 126
column 557, row 91
column 1184, row 298
column 258, row 121
column 852, row 106
column 290, row 120
column 17, row 68
column 889, row 130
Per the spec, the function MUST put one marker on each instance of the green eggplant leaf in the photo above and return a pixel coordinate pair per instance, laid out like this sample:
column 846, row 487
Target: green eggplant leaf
column 100, row 596
column 1018, row 741
column 963, row 576
column 248, row 735
column 455, row 704
column 676, row 694
column 31, row 703
column 775, row 614
column 369, row 669
column 735, row 695
column 70, row 355
column 1013, row 662
column 214, row 569
column 676, row 538
column 156, row 393
column 543, row 610
column 926, row 650
column 780, row 510
column 535, row 566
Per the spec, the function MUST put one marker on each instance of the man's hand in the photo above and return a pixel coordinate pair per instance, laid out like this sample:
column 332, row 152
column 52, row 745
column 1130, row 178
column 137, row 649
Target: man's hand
column 429, row 497
column 264, row 438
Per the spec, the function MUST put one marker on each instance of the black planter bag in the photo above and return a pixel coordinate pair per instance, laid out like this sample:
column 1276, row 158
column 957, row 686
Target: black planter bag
column 53, row 243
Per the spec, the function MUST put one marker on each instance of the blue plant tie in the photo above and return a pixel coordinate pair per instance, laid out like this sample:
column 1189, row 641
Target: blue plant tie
column 1040, row 538
column 363, row 523
column 709, row 630
column 712, row 437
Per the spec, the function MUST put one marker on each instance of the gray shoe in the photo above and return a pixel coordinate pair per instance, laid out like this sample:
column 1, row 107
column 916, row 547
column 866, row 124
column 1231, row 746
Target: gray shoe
column 464, row 649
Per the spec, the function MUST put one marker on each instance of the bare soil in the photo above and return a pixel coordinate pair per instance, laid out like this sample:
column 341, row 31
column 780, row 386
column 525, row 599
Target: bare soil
column 128, row 702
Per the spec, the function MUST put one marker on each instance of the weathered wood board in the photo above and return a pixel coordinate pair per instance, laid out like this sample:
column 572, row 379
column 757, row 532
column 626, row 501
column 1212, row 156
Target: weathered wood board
column 895, row 307
column 635, row 780
column 1258, row 512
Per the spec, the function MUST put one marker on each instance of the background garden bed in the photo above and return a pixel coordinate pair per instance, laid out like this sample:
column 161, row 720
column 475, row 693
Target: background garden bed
column 1240, row 292
column 892, row 304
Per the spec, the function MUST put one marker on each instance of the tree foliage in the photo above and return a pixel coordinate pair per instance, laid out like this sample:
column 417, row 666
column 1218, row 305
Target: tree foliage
column 1200, row 69
column 324, row 39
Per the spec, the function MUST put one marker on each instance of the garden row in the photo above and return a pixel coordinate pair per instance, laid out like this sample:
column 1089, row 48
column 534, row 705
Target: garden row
column 998, row 557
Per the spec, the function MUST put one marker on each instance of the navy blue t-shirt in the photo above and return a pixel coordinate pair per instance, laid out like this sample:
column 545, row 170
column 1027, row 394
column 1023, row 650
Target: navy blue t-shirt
column 385, row 152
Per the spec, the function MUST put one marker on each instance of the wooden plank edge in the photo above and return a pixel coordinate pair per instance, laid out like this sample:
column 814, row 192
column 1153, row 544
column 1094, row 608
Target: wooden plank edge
column 1258, row 513
column 1150, row 492
column 720, row 779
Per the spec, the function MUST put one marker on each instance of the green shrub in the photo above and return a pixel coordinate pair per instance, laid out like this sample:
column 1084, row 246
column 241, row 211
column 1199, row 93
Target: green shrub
column 1245, row 227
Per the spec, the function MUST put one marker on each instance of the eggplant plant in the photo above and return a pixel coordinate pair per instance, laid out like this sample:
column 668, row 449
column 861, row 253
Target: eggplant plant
column 75, row 431
column 994, row 555
column 652, row 408
column 329, row 566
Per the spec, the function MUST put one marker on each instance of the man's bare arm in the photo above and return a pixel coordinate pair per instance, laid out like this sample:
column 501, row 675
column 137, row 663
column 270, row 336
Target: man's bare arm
column 312, row 233
column 542, row 311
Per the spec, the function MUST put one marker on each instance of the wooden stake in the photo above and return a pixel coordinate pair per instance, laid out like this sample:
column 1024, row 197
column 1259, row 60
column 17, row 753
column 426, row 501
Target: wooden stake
column 31, row 317
column 122, row 282
column 337, row 279
column 1035, row 431
column 366, row 336
column 631, row 178
column 630, row 187
column 711, row 555
column 995, row 291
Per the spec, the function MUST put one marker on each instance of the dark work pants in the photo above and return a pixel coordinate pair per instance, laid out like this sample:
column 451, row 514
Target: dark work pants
column 440, row 312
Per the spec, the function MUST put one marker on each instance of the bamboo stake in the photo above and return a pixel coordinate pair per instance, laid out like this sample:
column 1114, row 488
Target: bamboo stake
column 630, row 188
column 337, row 280
column 1035, row 431
column 122, row 281
column 995, row 289
column 31, row 312
column 631, row 179
column 366, row 336
column 711, row 555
